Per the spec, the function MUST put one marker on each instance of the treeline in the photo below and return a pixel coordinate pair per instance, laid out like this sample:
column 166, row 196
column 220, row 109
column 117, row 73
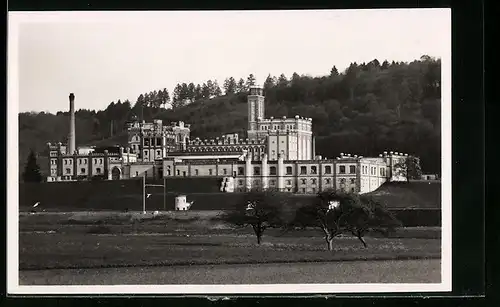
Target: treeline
column 366, row 109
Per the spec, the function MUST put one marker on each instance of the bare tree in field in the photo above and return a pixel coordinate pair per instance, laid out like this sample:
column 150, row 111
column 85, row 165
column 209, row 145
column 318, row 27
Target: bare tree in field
column 259, row 209
column 336, row 213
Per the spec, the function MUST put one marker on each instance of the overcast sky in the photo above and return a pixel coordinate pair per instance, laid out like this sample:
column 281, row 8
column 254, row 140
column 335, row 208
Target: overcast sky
column 103, row 57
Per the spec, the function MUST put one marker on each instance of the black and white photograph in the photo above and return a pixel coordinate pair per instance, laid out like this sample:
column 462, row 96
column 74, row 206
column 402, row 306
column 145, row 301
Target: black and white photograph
column 229, row 152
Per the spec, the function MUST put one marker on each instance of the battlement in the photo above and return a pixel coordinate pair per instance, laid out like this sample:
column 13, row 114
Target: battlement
column 393, row 154
column 225, row 141
column 284, row 119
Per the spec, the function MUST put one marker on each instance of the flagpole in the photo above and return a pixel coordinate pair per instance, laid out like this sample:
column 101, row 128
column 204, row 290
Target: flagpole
column 144, row 194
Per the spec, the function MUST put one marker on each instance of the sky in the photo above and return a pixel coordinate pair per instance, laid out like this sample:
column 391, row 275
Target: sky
column 105, row 56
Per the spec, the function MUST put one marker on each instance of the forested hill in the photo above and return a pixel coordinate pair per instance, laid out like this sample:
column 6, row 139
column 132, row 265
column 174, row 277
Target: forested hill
column 368, row 108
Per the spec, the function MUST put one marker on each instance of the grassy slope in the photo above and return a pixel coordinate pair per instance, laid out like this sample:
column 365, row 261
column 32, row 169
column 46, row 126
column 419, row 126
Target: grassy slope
column 118, row 195
column 417, row 194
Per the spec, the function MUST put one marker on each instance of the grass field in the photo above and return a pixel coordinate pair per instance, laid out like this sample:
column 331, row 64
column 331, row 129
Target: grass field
column 391, row 271
column 111, row 239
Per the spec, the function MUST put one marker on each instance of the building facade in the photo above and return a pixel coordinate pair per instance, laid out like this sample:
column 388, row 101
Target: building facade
column 277, row 154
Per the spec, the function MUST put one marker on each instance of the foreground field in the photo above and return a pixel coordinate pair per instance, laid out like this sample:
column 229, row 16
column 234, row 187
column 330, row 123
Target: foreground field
column 100, row 240
column 409, row 271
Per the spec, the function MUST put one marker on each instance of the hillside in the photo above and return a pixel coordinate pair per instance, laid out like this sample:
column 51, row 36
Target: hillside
column 416, row 194
column 369, row 108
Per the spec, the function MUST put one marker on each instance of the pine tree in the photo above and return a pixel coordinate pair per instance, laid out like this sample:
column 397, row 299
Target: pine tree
column 334, row 72
column 269, row 83
column 190, row 92
column 205, row 91
column 165, row 97
column 240, row 87
column 32, row 169
column 250, row 81
column 282, row 80
column 230, row 86
column 217, row 91
column 211, row 88
column 198, row 93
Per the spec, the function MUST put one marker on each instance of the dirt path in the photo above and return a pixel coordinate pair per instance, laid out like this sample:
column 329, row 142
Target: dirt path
column 404, row 271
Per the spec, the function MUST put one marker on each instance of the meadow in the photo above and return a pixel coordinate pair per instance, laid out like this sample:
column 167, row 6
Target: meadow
column 62, row 240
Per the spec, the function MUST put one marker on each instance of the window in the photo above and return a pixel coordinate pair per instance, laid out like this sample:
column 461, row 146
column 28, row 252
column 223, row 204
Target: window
column 328, row 169
column 303, row 181
column 178, row 172
column 210, row 172
column 303, row 190
column 158, row 141
column 224, row 171
column 353, row 181
column 146, row 142
column 100, row 161
column 241, row 171
column 82, row 170
column 327, row 180
column 158, row 152
column 313, row 181
column 342, row 169
column 352, row 190
column 303, row 170
column 168, row 172
column 196, row 172
column 98, row 170
column 314, row 170
column 289, row 182
column 184, row 173
column 272, row 170
column 381, row 172
column 137, row 173
column 352, row 169
column 65, row 161
column 256, row 170
column 68, row 171
column 288, row 170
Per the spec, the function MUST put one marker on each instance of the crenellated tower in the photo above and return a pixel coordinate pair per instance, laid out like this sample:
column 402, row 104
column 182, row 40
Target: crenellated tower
column 256, row 110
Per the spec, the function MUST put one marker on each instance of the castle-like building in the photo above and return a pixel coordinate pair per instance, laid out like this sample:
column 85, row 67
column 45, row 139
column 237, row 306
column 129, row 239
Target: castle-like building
column 278, row 153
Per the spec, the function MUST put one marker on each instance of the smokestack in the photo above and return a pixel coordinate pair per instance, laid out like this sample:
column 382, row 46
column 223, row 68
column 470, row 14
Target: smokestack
column 71, row 138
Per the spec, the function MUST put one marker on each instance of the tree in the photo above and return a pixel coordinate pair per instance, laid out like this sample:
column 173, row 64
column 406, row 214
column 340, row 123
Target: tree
column 250, row 81
column 165, row 97
column 408, row 168
column 269, row 83
column 229, row 86
column 240, row 87
column 282, row 80
column 191, row 92
column 205, row 91
column 385, row 65
column 334, row 72
column 371, row 215
column 216, row 89
column 32, row 169
column 198, row 93
column 327, row 211
column 259, row 209
column 337, row 212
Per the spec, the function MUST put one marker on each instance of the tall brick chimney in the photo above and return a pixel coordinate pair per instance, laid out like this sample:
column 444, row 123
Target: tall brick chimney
column 71, row 138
